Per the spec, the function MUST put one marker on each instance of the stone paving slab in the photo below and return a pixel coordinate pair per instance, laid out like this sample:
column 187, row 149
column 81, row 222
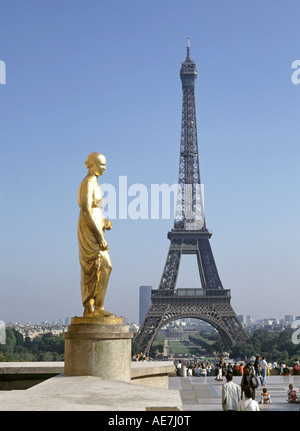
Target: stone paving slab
column 204, row 393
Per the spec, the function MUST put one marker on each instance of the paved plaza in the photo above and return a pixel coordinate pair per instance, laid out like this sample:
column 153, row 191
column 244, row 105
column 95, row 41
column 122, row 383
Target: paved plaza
column 204, row 393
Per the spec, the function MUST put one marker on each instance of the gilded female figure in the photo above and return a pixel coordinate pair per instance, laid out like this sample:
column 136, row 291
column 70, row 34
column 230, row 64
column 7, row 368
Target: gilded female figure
column 93, row 249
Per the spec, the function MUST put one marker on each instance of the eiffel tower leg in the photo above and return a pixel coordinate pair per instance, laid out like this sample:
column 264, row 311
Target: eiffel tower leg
column 155, row 315
column 150, row 327
column 224, row 319
column 171, row 269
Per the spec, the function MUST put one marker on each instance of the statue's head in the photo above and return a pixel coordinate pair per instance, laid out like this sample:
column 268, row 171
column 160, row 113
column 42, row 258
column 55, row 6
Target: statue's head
column 96, row 162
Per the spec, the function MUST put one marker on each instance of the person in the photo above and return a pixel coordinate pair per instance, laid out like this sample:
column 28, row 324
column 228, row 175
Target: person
column 296, row 369
column 292, row 395
column 220, row 368
column 179, row 368
column 141, row 357
column 248, row 403
column 235, row 369
column 93, row 249
column 263, row 370
column 251, row 368
column 197, row 370
column 286, row 370
column 231, row 394
column 249, row 379
column 265, row 397
column 229, row 368
column 208, row 369
column 257, row 366
column 203, row 372
column 241, row 369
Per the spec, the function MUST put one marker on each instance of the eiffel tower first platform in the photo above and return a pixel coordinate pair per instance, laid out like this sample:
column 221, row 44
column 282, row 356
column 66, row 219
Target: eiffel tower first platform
column 211, row 302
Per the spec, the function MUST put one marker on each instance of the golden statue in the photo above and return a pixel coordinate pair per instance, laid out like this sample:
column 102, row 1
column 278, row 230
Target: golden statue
column 93, row 249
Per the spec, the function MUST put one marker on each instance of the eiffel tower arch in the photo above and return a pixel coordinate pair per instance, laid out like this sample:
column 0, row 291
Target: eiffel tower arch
column 211, row 302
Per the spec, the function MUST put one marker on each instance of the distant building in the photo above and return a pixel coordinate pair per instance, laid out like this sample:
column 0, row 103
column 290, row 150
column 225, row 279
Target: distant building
column 289, row 318
column 67, row 321
column 145, row 302
column 245, row 319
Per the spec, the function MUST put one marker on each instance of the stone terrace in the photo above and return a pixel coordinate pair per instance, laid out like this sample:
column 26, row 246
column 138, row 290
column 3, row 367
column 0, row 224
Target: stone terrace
column 150, row 389
column 204, row 393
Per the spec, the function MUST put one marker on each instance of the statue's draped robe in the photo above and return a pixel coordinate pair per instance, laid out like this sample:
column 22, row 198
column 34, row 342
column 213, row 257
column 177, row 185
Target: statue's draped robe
column 89, row 197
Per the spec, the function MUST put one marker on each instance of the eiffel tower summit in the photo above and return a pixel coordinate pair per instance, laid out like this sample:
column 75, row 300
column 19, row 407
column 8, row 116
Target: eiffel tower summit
column 189, row 235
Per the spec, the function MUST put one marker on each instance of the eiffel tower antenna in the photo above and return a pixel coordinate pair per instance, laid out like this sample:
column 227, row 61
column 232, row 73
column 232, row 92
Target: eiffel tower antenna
column 188, row 47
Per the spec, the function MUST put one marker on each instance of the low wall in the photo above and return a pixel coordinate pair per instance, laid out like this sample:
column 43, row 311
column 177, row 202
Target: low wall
column 24, row 375
column 155, row 374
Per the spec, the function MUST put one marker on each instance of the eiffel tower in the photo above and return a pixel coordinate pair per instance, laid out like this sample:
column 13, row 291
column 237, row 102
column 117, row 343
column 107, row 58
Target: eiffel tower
column 211, row 302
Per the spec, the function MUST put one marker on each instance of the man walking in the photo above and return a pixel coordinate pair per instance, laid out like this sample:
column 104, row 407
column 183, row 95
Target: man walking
column 263, row 370
column 231, row 394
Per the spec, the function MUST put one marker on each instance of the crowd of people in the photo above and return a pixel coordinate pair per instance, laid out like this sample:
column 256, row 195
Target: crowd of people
column 260, row 367
column 241, row 397
column 206, row 369
column 200, row 369
column 140, row 357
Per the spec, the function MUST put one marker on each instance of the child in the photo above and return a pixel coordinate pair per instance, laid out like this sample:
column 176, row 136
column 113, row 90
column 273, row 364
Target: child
column 265, row 397
column 292, row 395
column 241, row 369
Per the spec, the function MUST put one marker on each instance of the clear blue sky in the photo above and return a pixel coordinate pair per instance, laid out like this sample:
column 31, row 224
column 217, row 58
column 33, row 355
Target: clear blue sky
column 85, row 76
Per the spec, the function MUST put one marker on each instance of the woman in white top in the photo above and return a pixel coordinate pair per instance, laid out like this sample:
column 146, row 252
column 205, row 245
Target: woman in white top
column 248, row 404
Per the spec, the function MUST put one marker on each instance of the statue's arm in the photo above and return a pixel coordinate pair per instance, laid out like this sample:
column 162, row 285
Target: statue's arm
column 85, row 201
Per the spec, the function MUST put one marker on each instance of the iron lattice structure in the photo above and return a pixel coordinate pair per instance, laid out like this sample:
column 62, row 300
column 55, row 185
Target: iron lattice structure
column 189, row 235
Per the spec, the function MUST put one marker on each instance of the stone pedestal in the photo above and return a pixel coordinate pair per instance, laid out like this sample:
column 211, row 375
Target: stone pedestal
column 98, row 346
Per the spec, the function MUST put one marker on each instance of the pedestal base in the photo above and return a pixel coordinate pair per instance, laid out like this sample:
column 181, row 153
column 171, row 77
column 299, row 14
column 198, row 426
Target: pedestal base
column 94, row 347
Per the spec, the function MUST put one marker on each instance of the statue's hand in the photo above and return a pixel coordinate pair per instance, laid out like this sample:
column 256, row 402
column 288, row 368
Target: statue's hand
column 103, row 245
column 107, row 224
